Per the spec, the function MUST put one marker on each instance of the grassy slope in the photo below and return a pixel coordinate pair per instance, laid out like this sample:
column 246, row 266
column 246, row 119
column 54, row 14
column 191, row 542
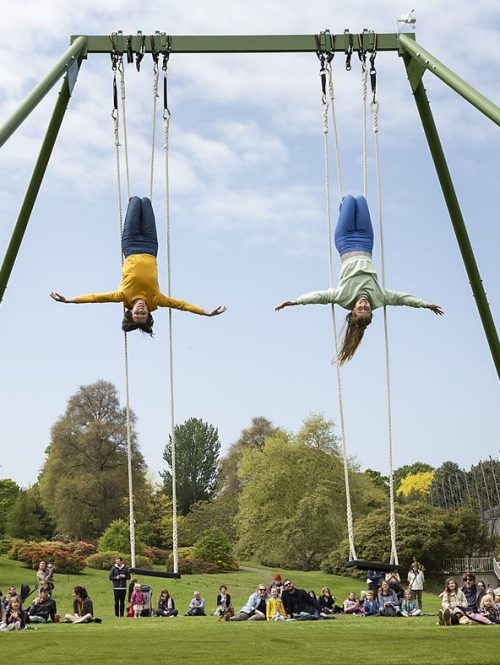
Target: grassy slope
column 205, row 640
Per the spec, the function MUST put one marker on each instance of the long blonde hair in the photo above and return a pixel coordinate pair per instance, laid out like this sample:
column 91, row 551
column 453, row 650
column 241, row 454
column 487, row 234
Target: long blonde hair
column 351, row 339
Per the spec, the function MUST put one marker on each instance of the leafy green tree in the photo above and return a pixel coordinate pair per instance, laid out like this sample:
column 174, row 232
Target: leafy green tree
column 380, row 481
column 218, row 513
column 452, row 487
column 424, row 533
column 216, row 547
column 316, row 432
column 116, row 537
column 251, row 438
column 291, row 507
column 22, row 520
column 197, row 449
column 84, row 481
column 8, row 495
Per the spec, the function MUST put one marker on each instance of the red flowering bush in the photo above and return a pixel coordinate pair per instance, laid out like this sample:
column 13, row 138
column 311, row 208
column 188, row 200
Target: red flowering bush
column 62, row 555
column 156, row 554
column 83, row 548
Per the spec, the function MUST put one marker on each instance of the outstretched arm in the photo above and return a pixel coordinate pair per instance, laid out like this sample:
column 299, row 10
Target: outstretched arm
column 113, row 296
column 183, row 305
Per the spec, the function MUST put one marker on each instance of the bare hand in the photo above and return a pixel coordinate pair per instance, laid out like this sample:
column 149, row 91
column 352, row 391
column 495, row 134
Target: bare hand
column 286, row 303
column 58, row 297
column 218, row 310
column 436, row 309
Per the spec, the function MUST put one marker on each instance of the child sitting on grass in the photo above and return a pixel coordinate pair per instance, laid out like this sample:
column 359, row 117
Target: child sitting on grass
column 409, row 606
column 351, row 605
column 372, row 606
column 275, row 610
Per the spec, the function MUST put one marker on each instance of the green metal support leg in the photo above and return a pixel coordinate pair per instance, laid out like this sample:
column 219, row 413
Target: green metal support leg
column 75, row 52
column 457, row 219
column 36, row 179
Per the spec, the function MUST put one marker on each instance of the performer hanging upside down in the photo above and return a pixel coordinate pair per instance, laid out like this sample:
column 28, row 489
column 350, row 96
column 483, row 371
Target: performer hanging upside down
column 139, row 290
column 358, row 288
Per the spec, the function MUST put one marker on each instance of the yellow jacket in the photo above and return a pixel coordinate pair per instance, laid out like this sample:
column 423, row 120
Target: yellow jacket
column 274, row 604
column 140, row 280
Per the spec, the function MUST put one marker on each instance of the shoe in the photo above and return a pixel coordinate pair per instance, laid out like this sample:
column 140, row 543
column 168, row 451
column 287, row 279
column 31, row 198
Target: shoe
column 447, row 617
column 441, row 618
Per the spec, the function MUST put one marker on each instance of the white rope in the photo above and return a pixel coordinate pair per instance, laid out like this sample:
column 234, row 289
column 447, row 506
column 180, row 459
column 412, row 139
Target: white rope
column 374, row 107
column 324, row 109
column 175, row 549
column 331, row 92
column 121, row 71
column 116, row 130
column 155, row 97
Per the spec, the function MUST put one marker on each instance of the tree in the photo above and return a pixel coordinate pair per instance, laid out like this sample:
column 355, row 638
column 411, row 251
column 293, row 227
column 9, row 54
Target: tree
column 403, row 471
column 8, row 495
column 197, row 449
column 22, row 519
column 116, row 537
column 425, row 533
column 317, row 432
column 252, row 437
column 218, row 513
column 416, row 485
column 291, row 507
column 380, row 481
column 84, row 481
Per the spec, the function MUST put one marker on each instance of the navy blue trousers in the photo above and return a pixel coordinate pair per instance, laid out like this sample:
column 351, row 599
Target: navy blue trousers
column 139, row 232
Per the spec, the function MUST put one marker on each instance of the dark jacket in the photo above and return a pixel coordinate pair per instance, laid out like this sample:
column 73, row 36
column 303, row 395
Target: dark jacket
column 119, row 582
column 166, row 604
column 228, row 600
column 21, row 617
column 473, row 596
column 298, row 601
column 86, row 608
column 45, row 609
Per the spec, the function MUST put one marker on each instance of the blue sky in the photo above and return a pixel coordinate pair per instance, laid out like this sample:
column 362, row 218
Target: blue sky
column 248, row 223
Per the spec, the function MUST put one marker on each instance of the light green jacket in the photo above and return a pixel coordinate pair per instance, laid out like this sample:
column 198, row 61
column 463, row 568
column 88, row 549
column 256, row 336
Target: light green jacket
column 358, row 277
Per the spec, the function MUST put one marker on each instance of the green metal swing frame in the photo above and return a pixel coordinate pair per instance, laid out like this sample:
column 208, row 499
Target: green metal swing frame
column 415, row 58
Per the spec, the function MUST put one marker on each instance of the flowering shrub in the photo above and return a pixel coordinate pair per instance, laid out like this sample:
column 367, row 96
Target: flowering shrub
column 65, row 560
column 106, row 560
column 83, row 548
column 156, row 554
column 192, row 566
column 15, row 546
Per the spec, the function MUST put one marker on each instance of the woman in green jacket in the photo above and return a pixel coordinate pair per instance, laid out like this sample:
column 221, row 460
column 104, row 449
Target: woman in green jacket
column 358, row 289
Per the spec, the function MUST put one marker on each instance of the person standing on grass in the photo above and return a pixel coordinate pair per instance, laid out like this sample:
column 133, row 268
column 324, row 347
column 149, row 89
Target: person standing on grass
column 119, row 575
column 416, row 581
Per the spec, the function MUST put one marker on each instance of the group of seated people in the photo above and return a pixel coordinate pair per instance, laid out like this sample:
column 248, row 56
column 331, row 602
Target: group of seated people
column 473, row 603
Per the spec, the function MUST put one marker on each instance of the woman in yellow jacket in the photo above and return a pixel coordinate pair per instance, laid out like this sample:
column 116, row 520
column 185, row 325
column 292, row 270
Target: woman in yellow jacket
column 139, row 290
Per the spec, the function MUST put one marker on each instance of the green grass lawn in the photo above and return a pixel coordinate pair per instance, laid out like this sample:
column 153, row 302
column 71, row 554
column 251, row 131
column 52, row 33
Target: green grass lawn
column 206, row 640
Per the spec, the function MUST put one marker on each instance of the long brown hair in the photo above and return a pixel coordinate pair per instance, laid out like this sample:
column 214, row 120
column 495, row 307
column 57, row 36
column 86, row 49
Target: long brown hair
column 128, row 324
column 354, row 330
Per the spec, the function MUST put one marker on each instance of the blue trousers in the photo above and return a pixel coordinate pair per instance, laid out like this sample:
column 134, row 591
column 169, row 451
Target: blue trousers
column 354, row 231
column 139, row 232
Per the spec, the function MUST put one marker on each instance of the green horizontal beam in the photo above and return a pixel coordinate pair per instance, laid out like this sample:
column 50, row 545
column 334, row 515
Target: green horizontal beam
column 432, row 64
column 237, row 43
column 38, row 93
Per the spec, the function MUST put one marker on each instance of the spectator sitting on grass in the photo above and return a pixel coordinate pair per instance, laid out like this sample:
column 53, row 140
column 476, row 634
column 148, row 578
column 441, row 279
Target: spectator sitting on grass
column 372, row 606
column 255, row 608
column 409, row 607
column 473, row 595
column 389, row 603
column 196, row 606
column 326, row 602
column 453, row 603
column 224, row 608
column 488, row 609
column 166, row 605
column 277, row 583
column 42, row 608
column 83, row 609
column 297, row 602
column 13, row 616
column 275, row 610
column 351, row 605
